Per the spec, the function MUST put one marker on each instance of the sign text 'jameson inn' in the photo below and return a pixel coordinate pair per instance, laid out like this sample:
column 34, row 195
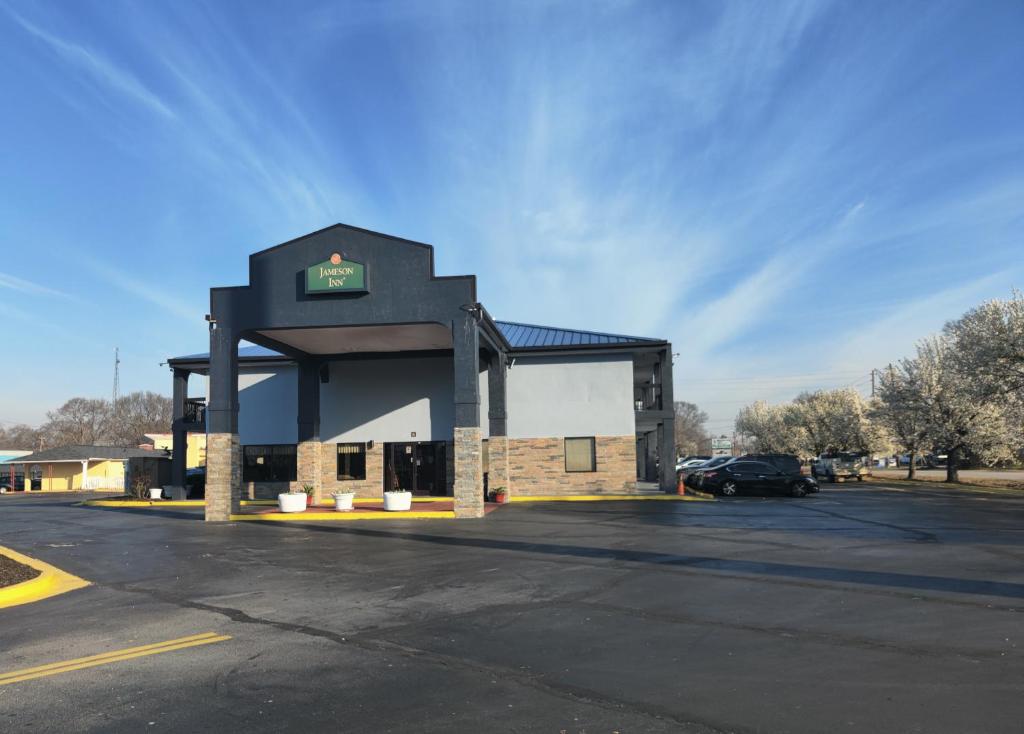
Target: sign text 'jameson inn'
column 336, row 275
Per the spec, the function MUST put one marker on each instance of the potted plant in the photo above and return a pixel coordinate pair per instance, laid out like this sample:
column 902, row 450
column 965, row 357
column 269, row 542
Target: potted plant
column 343, row 501
column 294, row 500
column 156, row 493
column 308, row 490
column 396, row 499
column 501, row 495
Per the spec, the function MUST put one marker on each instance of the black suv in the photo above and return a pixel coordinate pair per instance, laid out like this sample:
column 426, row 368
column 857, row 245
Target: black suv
column 786, row 462
column 746, row 476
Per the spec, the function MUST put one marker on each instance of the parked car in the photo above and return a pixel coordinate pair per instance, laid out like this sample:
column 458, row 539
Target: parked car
column 844, row 465
column 786, row 462
column 195, row 483
column 690, row 461
column 744, row 476
column 690, row 473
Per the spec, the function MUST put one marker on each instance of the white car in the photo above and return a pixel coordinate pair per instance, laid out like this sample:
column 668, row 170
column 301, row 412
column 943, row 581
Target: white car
column 689, row 463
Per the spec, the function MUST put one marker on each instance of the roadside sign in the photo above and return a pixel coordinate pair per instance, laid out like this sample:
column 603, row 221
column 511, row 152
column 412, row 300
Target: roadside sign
column 721, row 446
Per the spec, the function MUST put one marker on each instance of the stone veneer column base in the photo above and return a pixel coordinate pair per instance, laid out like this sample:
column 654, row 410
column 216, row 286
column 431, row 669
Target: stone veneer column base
column 469, row 478
column 308, row 460
column 497, row 464
column 223, row 476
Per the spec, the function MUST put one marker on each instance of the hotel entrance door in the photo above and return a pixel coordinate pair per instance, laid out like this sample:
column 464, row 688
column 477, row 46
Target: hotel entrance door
column 419, row 466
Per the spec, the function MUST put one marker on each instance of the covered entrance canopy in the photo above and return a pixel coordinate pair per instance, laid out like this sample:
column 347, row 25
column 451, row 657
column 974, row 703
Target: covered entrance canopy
column 339, row 292
column 347, row 296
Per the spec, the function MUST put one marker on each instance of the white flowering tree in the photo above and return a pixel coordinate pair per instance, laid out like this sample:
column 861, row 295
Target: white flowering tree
column 832, row 421
column 899, row 413
column 770, row 428
column 989, row 343
column 963, row 412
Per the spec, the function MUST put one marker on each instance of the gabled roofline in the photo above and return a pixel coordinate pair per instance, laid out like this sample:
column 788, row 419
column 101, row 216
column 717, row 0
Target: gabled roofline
column 351, row 228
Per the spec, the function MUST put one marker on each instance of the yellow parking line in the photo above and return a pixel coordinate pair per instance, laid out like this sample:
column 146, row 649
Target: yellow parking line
column 66, row 666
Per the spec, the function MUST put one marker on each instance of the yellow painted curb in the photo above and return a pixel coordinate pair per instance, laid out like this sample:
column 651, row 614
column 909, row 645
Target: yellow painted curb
column 159, row 504
column 610, row 498
column 347, row 516
column 51, row 581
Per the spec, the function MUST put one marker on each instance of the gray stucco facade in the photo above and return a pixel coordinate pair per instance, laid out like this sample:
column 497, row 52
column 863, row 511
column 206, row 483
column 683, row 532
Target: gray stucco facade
column 406, row 361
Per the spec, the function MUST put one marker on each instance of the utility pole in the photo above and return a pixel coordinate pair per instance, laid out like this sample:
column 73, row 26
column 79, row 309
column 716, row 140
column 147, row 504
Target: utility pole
column 872, row 382
column 117, row 368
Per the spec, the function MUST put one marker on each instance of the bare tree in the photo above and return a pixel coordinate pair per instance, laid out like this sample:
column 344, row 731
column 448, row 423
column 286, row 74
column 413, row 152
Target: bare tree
column 80, row 421
column 88, row 421
column 20, row 436
column 137, row 414
column 690, row 434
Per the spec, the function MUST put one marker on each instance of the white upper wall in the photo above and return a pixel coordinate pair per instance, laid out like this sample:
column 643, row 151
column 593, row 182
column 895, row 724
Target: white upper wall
column 388, row 400
column 586, row 395
column 268, row 405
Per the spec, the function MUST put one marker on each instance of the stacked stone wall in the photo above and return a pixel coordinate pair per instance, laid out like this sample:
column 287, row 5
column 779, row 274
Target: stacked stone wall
column 536, row 466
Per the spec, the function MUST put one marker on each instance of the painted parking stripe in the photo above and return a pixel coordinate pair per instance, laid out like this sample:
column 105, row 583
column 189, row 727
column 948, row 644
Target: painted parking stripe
column 66, row 666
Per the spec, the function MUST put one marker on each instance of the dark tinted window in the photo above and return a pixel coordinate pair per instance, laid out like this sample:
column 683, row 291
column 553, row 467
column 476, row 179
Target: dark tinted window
column 741, row 467
column 784, row 462
column 268, row 463
column 351, row 461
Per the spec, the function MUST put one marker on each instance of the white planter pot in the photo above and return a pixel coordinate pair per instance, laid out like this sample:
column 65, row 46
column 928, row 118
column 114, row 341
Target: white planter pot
column 343, row 501
column 287, row 502
column 156, row 493
column 397, row 501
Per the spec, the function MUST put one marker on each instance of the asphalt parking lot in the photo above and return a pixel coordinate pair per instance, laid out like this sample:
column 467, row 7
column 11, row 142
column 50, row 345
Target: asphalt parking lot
column 861, row 609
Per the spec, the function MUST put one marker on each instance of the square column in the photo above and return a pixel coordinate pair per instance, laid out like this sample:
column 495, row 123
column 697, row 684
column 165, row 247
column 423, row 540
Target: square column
column 308, row 452
column 497, row 443
column 469, row 473
column 468, row 453
column 223, row 452
column 667, row 426
column 223, row 476
column 179, row 435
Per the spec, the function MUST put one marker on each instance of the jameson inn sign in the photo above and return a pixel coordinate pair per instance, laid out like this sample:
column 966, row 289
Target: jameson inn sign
column 336, row 275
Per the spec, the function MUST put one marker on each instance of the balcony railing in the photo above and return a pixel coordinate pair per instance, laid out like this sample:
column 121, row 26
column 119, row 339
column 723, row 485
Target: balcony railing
column 103, row 483
column 195, row 410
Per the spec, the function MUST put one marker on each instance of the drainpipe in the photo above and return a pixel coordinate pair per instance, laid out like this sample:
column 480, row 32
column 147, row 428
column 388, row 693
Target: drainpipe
column 85, row 474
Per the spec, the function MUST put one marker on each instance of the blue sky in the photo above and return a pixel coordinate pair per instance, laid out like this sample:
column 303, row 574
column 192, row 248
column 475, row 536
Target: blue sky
column 793, row 193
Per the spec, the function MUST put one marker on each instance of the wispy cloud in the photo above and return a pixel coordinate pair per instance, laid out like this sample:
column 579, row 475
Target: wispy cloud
column 154, row 289
column 779, row 188
column 14, row 283
column 96, row 66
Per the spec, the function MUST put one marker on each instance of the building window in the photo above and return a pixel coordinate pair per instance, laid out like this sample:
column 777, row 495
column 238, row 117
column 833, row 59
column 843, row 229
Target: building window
column 351, row 461
column 580, row 454
column 275, row 463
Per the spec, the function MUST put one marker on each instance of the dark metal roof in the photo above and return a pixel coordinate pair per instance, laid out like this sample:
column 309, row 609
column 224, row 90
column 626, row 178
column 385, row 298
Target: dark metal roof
column 531, row 336
column 81, row 453
column 251, row 351
column 519, row 336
